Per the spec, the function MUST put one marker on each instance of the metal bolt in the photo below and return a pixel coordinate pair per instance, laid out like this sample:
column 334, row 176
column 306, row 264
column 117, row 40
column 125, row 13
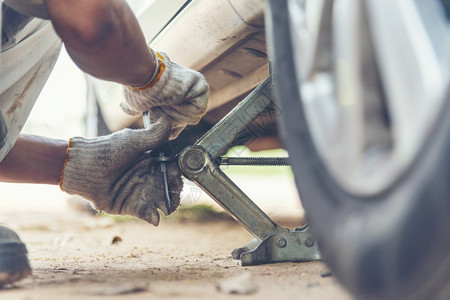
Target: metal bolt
column 309, row 242
column 195, row 160
column 281, row 242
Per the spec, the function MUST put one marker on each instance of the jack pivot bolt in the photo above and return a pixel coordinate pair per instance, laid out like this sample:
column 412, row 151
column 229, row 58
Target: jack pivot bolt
column 195, row 160
column 281, row 242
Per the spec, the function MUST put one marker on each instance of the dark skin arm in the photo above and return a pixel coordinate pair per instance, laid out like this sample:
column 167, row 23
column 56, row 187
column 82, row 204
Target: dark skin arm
column 34, row 159
column 104, row 39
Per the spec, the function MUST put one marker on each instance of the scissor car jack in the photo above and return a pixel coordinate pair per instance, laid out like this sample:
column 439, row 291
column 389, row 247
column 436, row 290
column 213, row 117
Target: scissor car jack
column 200, row 164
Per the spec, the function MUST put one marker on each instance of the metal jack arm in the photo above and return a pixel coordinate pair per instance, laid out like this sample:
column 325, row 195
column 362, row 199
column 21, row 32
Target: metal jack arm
column 198, row 163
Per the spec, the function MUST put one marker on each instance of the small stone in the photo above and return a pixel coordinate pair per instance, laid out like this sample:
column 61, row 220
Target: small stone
column 326, row 274
column 116, row 239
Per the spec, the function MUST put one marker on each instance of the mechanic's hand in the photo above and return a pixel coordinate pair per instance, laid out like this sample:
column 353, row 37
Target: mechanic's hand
column 118, row 177
column 177, row 91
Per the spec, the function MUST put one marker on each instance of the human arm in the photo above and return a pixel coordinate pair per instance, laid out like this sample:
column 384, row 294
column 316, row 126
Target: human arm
column 104, row 39
column 34, row 159
column 115, row 172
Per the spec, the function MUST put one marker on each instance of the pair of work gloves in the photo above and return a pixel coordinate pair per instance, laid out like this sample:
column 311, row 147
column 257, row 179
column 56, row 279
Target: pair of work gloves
column 117, row 172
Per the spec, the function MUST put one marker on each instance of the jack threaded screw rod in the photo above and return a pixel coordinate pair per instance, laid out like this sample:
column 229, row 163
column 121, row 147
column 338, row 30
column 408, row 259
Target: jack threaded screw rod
column 254, row 161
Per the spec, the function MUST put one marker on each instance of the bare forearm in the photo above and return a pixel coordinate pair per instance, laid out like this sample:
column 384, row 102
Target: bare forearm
column 34, row 159
column 104, row 39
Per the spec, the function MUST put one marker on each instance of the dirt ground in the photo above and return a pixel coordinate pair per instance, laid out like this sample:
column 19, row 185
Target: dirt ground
column 76, row 256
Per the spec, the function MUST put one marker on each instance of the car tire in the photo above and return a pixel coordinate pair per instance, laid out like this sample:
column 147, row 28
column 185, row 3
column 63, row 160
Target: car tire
column 392, row 245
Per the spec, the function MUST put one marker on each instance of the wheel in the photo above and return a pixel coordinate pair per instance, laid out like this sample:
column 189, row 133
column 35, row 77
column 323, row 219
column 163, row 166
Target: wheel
column 363, row 89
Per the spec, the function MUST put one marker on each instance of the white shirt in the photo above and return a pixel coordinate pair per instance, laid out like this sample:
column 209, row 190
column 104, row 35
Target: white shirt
column 25, row 65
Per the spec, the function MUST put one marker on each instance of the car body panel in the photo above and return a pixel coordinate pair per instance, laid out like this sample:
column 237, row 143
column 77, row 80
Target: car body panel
column 154, row 15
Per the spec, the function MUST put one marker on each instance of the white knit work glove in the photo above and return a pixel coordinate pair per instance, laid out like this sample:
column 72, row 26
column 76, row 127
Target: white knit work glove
column 118, row 177
column 174, row 90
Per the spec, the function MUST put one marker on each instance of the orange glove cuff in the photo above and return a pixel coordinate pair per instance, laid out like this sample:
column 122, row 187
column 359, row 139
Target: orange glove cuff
column 159, row 72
